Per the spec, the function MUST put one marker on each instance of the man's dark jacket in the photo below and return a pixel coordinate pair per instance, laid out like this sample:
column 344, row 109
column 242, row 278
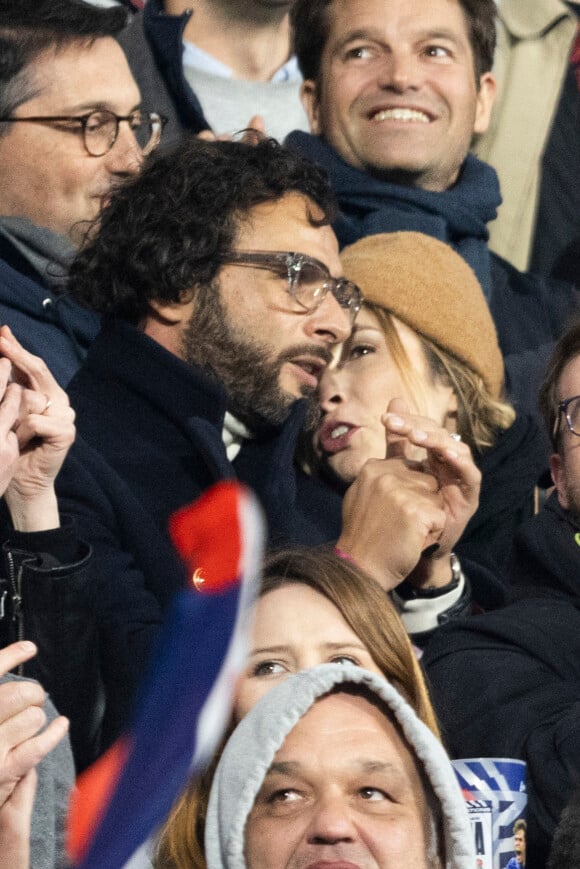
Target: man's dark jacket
column 507, row 683
column 150, row 442
column 46, row 593
column 153, row 44
column 530, row 312
column 47, row 323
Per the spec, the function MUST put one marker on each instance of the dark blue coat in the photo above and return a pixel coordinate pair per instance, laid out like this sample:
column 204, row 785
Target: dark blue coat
column 507, row 683
column 153, row 43
column 48, row 324
column 150, row 442
column 530, row 312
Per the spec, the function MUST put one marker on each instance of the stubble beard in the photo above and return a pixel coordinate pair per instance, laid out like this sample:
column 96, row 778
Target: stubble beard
column 247, row 370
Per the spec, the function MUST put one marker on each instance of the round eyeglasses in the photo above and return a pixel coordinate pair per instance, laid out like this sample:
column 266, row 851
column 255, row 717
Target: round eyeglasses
column 308, row 280
column 100, row 128
column 570, row 407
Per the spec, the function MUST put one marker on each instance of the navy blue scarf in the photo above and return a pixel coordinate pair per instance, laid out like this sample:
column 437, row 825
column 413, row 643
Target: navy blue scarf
column 458, row 216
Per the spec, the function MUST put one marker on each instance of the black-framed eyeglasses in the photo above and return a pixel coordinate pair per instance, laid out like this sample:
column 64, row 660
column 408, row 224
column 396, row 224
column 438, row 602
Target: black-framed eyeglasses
column 308, row 280
column 100, row 128
column 570, row 407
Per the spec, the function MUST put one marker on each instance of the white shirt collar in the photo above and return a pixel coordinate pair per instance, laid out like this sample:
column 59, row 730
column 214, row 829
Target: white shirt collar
column 197, row 58
column 234, row 433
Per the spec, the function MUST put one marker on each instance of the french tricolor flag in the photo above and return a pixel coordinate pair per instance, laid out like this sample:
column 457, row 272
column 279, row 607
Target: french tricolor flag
column 186, row 701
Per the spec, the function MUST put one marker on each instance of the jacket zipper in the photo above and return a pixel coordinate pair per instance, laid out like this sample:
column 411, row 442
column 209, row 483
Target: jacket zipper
column 17, row 614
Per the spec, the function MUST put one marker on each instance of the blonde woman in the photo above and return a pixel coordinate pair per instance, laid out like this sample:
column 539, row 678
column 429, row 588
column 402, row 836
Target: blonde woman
column 425, row 336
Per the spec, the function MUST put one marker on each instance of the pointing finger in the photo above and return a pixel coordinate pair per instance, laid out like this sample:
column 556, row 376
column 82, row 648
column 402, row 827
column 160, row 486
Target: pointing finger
column 395, row 443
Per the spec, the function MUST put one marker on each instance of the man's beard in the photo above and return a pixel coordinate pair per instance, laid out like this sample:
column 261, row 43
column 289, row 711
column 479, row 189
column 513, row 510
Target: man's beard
column 248, row 370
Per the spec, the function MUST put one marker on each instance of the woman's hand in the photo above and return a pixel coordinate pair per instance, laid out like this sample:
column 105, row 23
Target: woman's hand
column 44, row 431
column 10, row 394
column 390, row 515
column 421, row 443
column 23, row 744
column 15, row 823
column 419, row 497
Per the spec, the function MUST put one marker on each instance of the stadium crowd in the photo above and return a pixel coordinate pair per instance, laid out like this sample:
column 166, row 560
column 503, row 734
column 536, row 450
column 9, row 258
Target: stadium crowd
column 329, row 249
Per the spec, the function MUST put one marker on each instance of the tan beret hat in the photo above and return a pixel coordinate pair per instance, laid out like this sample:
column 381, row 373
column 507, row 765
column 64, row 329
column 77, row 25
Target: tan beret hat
column 428, row 286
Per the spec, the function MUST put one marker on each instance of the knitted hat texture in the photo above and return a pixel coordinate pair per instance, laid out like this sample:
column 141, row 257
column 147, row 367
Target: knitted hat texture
column 428, row 286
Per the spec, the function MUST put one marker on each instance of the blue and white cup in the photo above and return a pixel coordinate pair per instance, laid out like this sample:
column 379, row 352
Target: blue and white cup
column 495, row 793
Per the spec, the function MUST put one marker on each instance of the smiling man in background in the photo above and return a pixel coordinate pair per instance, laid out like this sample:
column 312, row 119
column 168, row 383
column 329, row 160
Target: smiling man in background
column 395, row 91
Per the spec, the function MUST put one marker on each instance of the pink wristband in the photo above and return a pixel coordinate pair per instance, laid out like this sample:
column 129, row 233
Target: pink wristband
column 342, row 554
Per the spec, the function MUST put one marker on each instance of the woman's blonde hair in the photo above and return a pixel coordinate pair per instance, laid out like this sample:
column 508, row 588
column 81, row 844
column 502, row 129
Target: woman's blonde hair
column 479, row 414
column 368, row 611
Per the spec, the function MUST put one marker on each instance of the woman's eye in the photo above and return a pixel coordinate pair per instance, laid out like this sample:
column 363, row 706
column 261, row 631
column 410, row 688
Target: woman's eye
column 359, row 350
column 344, row 659
column 268, row 668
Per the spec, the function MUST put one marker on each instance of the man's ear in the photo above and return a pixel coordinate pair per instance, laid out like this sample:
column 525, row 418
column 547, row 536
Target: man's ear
column 485, row 101
column 310, row 101
column 170, row 313
column 558, row 473
column 166, row 324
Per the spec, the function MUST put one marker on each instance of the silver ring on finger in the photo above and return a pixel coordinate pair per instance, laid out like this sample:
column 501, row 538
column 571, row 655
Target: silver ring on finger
column 455, row 436
column 46, row 406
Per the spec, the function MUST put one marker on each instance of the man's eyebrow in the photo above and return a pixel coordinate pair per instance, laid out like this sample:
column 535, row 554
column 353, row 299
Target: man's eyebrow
column 362, row 33
column 441, row 33
column 377, row 35
column 99, row 106
column 284, row 767
column 367, row 765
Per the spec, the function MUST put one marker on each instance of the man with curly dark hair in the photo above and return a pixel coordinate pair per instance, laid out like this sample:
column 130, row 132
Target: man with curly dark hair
column 181, row 252
column 218, row 277
column 217, row 273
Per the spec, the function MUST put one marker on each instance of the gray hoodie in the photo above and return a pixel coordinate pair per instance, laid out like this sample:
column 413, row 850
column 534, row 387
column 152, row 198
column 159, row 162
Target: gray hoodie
column 251, row 749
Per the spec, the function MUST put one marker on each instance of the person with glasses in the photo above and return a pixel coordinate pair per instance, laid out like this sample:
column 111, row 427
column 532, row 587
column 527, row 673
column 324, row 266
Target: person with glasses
column 71, row 129
column 223, row 295
column 507, row 683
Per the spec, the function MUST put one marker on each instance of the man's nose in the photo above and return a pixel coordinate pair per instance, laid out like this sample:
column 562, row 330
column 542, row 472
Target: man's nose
column 329, row 321
column 126, row 155
column 400, row 71
column 331, row 822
